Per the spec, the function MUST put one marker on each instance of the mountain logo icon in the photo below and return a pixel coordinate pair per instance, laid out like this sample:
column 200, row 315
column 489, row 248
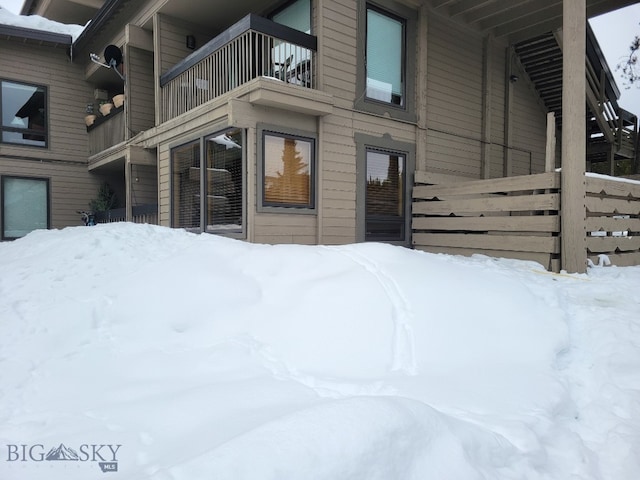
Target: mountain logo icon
column 62, row 453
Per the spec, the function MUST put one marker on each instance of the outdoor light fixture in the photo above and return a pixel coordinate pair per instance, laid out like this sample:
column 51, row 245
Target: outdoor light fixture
column 513, row 78
column 113, row 59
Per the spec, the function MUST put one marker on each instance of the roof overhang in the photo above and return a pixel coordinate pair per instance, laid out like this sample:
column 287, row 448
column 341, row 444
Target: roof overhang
column 517, row 20
column 37, row 36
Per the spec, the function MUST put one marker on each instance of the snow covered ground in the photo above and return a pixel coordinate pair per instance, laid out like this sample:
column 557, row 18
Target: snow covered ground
column 173, row 356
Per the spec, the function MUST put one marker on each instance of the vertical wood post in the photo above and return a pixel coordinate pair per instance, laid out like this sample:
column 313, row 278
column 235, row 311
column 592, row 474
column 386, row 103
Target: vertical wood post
column 574, row 137
column 550, row 150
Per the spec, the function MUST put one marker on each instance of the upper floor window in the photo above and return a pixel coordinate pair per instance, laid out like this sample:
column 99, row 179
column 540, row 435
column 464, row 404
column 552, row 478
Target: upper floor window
column 385, row 57
column 296, row 15
column 24, row 114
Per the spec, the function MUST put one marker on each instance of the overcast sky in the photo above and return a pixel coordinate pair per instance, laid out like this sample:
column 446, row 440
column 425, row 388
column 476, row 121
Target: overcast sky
column 614, row 31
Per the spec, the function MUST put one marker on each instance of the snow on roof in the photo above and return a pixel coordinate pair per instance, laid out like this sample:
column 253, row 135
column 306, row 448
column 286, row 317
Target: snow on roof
column 36, row 22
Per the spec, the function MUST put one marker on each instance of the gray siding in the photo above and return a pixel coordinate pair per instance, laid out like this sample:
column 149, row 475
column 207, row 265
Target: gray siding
column 64, row 162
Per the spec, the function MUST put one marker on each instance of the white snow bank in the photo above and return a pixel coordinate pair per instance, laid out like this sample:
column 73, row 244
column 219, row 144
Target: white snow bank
column 205, row 357
column 37, row 22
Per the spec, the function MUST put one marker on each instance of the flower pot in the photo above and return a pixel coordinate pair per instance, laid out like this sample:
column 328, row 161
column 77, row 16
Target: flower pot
column 105, row 108
column 89, row 119
column 118, row 100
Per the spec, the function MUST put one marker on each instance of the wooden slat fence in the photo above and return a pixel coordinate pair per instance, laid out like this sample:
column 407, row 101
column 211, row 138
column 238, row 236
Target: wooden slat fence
column 613, row 220
column 513, row 217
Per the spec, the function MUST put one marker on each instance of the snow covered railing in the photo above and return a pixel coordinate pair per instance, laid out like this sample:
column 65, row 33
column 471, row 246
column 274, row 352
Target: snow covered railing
column 251, row 48
column 613, row 219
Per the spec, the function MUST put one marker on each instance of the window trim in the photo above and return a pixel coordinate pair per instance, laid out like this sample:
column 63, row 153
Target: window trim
column 267, row 207
column 4, row 128
column 384, row 144
column 395, row 10
column 286, row 5
column 200, row 137
column 2, row 188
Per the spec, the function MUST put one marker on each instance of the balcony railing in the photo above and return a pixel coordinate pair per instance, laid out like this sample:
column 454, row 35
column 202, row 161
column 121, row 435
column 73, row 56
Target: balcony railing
column 107, row 131
column 251, row 48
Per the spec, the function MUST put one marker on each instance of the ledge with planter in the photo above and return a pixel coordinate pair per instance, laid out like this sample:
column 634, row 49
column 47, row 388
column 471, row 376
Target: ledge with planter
column 106, row 109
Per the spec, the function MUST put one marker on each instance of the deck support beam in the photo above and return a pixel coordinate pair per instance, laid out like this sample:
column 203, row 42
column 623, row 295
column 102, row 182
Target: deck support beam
column 573, row 209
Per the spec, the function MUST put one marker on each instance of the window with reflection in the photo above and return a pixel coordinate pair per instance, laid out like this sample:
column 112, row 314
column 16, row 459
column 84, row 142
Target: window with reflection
column 24, row 114
column 385, row 195
column 288, row 169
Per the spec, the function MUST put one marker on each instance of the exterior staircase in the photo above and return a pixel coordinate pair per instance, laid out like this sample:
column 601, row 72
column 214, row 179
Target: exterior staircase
column 612, row 132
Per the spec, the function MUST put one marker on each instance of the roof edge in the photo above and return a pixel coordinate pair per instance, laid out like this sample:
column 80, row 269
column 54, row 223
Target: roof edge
column 97, row 21
column 39, row 35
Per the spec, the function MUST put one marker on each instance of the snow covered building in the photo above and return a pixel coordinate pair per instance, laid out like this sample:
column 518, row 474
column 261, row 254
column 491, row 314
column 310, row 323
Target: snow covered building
column 437, row 124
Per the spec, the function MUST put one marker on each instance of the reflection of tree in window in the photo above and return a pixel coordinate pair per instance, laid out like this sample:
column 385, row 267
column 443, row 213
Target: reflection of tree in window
column 384, row 184
column 287, row 180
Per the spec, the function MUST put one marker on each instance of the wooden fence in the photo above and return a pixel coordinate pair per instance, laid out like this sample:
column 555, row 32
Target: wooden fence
column 613, row 219
column 514, row 217
column 519, row 217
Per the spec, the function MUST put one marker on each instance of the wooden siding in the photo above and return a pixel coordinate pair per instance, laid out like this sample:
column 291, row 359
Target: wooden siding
column 67, row 96
column 144, row 184
column 454, row 102
column 140, row 85
column 529, row 124
column 339, row 41
column 71, row 186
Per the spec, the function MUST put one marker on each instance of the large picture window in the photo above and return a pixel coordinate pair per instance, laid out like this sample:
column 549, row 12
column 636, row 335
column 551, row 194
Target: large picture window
column 24, row 114
column 385, row 54
column 207, row 183
column 287, row 171
column 25, row 206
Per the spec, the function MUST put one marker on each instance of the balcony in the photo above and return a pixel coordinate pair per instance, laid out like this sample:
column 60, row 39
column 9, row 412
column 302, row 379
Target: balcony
column 253, row 47
column 107, row 131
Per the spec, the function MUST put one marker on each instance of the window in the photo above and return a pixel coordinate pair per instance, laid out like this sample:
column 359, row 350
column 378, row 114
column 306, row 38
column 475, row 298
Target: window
column 223, row 181
column 384, row 57
column 384, row 174
column 385, row 196
column 288, row 171
column 185, row 197
column 24, row 114
column 386, row 67
column 25, row 206
column 220, row 208
column 296, row 15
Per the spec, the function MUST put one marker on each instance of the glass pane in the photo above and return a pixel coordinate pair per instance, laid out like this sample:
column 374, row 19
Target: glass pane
column 24, row 116
column 224, row 181
column 287, row 171
column 25, row 206
column 384, row 208
column 185, row 202
column 297, row 15
column 384, row 57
